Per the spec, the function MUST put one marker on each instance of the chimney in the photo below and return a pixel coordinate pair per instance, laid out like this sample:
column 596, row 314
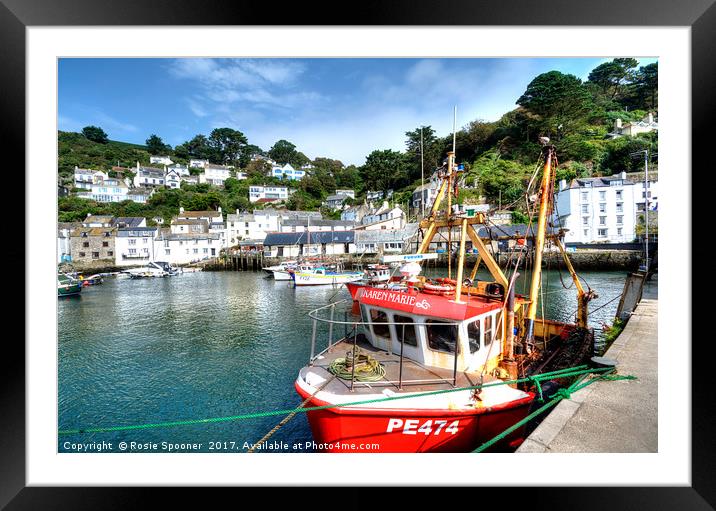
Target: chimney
column 219, row 209
column 562, row 184
column 651, row 118
column 181, row 209
column 618, row 124
column 622, row 174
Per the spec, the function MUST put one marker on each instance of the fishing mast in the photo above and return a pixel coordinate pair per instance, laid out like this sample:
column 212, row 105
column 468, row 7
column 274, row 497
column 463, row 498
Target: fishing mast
column 545, row 208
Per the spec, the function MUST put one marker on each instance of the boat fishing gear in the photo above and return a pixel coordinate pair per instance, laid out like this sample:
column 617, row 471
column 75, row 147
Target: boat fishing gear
column 366, row 367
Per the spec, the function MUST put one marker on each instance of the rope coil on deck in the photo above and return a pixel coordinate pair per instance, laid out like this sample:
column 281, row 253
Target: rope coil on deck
column 366, row 367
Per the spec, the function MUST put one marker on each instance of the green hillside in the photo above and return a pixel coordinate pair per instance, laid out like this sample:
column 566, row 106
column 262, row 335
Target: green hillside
column 75, row 149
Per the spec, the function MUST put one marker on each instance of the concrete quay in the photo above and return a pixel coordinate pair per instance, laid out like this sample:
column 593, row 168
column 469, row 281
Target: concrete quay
column 612, row 416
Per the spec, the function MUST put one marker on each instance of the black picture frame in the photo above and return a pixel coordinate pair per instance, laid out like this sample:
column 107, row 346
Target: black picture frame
column 16, row 15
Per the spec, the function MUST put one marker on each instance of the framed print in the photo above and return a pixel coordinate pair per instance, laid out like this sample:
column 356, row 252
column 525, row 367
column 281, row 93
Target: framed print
column 196, row 123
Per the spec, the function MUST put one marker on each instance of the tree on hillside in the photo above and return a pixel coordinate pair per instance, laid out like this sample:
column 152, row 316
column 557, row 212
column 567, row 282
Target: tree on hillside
column 247, row 152
column 227, row 145
column 431, row 148
column 156, row 146
column 384, row 170
column 258, row 169
column 644, row 91
column 282, row 152
column 95, row 134
column 198, row 148
column 561, row 102
column 612, row 77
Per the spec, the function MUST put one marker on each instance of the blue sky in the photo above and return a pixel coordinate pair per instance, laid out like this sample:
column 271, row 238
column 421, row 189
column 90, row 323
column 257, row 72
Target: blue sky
column 336, row 108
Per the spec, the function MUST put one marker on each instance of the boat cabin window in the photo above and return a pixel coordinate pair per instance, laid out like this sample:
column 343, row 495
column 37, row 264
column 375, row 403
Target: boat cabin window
column 441, row 336
column 379, row 321
column 473, row 336
column 405, row 333
column 488, row 330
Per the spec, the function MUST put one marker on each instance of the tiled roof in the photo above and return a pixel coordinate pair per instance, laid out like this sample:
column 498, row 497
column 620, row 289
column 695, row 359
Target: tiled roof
column 135, row 232
column 298, row 238
column 127, row 221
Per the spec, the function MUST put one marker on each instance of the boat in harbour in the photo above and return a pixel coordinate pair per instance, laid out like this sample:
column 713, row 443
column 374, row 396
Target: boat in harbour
column 323, row 275
column 68, row 286
column 151, row 269
column 447, row 348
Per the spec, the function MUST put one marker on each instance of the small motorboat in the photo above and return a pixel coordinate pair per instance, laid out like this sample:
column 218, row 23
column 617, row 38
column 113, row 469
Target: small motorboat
column 68, row 286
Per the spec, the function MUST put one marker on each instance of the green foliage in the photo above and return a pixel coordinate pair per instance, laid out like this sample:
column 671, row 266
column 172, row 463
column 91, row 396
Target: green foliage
column 226, row 145
column 500, row 179
column 612, row 332
column 95, row 134
column 560, row 102
column 385, row 170
column 619, row 153
column 520, row 218
column 155, row 145
column 283, row 152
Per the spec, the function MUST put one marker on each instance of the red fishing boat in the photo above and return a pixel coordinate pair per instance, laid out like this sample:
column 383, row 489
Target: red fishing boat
column 424, row 367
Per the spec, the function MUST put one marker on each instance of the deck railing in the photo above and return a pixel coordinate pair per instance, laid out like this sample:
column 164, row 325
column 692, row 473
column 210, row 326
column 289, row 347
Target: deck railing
column 351, row 328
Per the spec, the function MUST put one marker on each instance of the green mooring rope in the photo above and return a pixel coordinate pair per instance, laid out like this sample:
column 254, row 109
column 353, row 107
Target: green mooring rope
column 563, row 373
column 558, row 396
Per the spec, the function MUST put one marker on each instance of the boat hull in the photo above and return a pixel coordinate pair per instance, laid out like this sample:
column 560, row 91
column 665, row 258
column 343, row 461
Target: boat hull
column 73, row 289
column 307, row 279
column 281, row 275
column 353, row 429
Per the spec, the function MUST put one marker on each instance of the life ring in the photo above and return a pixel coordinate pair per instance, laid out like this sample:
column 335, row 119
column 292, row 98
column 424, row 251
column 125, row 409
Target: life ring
column 444, row 290
column 446, row 281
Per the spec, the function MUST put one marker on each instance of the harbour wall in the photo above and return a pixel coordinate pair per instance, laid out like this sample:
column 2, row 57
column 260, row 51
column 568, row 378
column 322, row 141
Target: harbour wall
column 627, row 260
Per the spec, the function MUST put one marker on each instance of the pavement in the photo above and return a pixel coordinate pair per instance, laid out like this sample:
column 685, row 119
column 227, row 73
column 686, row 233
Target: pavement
column 612, row 416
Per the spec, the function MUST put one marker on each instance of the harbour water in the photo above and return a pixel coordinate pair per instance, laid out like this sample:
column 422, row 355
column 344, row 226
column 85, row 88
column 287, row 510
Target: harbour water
column 210, row 344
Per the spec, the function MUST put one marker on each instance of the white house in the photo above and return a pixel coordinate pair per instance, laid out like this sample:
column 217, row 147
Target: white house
column 288, row 171
column 251, row 226
column 192, row 180
column 148, row 177
column 601, row 209
column 385, row 217
column 293, row 244
column 378, row 195
column 85, row 178
column 198, row 164
column 314, row 225
column 632, row 129
column 172, row 179
column 425, row 194
column 107, row 190
column 215, row 174
column 267, row 193
column 214, row 221
column 184, row 248
column 136, row 246
column 163, row 160
column 240, row 175
column 181, row 170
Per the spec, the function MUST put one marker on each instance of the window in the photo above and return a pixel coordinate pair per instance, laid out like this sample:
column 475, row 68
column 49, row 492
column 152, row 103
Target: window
column 602, row 220
column 488, row 330
column 82, row 254
column 105, row 243
column 585, row 196
column 585, row 208
column 585, row 220
column 132, row 251
column 619, row 195
column 110, row 253
column 602, row 208
column 95, row 255
column 620, row 219
column 85, row 244
column 473, row 336
column 620, row 207
column 167, row 251
column 205, row 250
column 377, row 318
column 602, row 233
column 145, row 240
column 602, row 195
column 132, row 242
column 405, row 333
column 441, row 336
column 619, row 231
column 586, row 232
column 196, row 250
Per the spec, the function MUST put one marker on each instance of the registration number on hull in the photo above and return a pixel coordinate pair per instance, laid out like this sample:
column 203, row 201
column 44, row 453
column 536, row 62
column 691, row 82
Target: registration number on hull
column 414, row 427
